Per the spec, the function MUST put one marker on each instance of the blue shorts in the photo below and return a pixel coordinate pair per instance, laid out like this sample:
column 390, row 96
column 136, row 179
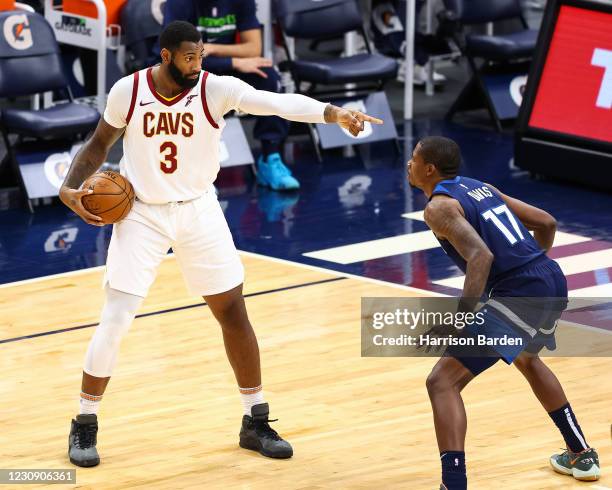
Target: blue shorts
column 521, row 314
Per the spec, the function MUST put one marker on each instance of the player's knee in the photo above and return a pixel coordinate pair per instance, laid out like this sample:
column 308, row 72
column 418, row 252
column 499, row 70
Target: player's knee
column 436, row 382
column 114, row 325
column 235, row 322
column 526, row 364
column 230, row 310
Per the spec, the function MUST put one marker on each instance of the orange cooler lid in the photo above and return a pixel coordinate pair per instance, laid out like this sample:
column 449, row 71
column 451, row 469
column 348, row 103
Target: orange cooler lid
column 7, row 4
column 88, row 9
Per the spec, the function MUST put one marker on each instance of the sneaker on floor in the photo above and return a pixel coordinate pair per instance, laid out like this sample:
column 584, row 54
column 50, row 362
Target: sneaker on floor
column 273, row 173
column 257, row 435
column 582, row 466
column 420, row 76
column 82, row 441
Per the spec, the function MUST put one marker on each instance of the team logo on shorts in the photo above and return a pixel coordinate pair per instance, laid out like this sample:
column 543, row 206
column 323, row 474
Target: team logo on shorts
column 17, row 32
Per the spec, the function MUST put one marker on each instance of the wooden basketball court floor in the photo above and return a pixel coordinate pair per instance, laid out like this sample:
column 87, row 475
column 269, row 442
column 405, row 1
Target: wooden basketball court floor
column 171, row 414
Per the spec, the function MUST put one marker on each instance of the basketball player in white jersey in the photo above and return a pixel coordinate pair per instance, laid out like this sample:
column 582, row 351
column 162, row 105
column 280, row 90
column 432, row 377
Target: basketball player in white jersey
column 171, row 118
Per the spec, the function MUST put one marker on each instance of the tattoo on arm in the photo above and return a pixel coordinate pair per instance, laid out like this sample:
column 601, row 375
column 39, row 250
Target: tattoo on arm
column 92, row 155
column 85, row 163
column 447, row 222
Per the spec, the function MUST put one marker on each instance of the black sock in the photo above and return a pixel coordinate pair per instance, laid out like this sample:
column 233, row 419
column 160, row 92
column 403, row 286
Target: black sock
column 269, row 147
column 453, row 470
column 565, row 420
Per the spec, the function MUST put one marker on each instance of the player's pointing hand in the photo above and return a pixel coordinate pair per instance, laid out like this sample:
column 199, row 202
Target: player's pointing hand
column 352, row 121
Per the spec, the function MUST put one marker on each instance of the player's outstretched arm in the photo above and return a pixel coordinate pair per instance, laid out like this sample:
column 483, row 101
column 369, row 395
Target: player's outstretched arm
column 535, row 219
column 445, row 218
column 300, row 108
column 88, row 159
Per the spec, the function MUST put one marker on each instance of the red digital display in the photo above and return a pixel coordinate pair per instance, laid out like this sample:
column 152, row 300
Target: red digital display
column 575, row 91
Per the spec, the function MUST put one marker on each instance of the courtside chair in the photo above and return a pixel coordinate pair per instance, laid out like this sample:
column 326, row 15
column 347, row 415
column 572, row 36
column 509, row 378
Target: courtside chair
column 305, row 19
column 493, row 50
column 326, row 77
column 141, row 30
column 30, row 64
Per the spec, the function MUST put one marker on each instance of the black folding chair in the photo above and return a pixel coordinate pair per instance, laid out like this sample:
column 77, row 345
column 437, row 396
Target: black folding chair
column 496, row 51
column 30, row 64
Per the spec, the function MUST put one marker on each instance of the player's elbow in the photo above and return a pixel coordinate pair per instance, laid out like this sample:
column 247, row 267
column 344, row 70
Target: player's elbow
column 549, row 223
column 482, row 259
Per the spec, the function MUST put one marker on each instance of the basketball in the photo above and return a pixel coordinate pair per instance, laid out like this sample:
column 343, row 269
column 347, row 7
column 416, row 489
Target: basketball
column 112, row 198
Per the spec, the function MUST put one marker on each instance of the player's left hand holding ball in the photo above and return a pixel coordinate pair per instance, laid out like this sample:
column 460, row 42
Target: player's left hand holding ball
column 72, row 199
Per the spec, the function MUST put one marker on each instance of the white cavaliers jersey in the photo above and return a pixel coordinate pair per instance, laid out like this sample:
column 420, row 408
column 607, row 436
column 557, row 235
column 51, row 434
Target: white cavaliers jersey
column 171, row 147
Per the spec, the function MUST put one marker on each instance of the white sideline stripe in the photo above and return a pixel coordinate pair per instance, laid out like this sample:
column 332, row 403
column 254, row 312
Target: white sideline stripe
column 561, row 238
column 451, row 282
column 344, row 274
column 247, row 254
column 416, row 215
column 599, row 291
column 574, row 264
column 61, row 274
column 376, row 249
column 52, row 276
column 591, row 261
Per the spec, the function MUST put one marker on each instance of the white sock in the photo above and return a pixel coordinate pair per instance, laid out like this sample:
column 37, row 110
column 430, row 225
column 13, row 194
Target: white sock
column 89, row 404
column 251, row 397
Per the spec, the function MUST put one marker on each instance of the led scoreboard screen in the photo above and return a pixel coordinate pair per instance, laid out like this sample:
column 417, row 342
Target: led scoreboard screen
column 565, row 122
column 574, row 95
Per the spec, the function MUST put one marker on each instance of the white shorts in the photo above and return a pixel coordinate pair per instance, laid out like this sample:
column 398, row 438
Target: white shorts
column 198, row 234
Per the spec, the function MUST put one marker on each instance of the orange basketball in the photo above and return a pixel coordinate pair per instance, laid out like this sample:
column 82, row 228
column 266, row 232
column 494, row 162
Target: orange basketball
column 112, row 198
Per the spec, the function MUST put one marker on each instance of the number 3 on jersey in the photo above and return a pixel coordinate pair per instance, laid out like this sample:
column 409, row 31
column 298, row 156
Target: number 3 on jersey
column 169, row 163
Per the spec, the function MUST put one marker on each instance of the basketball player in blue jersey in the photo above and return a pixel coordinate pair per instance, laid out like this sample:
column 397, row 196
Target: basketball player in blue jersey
column 486, row 233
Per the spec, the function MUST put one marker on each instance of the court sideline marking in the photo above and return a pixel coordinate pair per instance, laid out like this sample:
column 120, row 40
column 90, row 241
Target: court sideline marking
column 172, row 310
column 247, row 254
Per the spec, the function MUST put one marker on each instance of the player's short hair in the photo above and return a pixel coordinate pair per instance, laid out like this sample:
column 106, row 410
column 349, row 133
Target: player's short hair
column 177, row 32
column 441, row 152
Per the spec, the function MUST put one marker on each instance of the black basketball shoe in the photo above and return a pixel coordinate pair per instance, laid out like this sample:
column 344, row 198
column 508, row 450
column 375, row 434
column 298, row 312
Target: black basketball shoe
column 257, row 435
column 82, row 440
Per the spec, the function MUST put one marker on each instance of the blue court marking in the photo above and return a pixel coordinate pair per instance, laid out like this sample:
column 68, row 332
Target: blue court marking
column 172, row 310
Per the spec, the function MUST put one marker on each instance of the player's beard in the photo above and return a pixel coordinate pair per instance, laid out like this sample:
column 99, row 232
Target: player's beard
column 179, row 79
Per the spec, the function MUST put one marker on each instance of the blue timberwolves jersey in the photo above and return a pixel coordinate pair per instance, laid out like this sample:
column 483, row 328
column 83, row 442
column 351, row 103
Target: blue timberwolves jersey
column 508, row 240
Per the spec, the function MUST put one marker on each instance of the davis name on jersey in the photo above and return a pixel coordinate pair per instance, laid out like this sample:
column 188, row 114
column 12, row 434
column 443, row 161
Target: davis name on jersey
column 506, row 237
column 480, row 193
